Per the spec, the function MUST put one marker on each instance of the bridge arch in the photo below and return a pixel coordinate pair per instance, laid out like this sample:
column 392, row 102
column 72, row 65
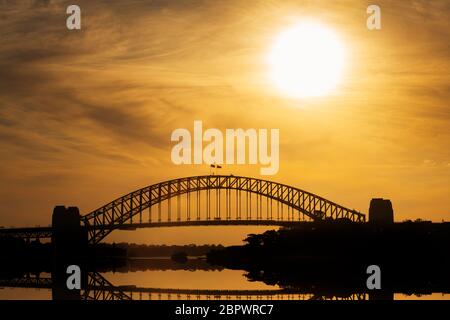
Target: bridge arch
column 120, row 212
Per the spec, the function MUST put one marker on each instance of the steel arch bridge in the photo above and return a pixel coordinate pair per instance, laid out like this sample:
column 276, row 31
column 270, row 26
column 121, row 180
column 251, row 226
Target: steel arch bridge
column 134, row 210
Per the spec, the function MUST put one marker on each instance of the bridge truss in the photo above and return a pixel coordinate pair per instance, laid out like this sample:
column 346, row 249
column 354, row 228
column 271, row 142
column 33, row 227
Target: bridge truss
column 229, row 200
column 204, row 201
column 32, row 233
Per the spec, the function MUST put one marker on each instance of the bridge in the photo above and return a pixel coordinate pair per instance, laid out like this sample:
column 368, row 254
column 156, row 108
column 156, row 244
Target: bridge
column 98, row 287
column 203, row 201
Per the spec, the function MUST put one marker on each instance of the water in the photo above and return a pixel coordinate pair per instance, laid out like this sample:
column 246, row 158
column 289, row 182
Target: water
column 162, row 279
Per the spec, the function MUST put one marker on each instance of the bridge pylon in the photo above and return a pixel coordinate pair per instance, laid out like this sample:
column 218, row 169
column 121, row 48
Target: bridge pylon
column 69, row 237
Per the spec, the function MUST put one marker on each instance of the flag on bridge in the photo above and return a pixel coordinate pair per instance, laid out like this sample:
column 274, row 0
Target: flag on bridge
column 215, row 166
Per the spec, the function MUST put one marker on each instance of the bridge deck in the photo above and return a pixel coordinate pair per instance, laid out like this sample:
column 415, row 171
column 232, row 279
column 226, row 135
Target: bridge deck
column 46, row 232
column 223, row 222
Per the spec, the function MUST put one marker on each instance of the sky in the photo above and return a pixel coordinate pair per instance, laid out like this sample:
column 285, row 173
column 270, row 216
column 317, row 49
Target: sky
column 86, row 115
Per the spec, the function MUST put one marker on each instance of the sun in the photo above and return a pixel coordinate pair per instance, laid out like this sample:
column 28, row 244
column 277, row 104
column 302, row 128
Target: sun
column 307, row 60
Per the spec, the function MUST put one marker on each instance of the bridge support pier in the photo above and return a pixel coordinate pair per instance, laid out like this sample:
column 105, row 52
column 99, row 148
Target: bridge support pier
column 381, row 212
column 69, row 238
column 69, row 241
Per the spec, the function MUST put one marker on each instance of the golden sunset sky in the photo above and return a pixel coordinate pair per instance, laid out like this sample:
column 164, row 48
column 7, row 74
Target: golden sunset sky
column 86, row 115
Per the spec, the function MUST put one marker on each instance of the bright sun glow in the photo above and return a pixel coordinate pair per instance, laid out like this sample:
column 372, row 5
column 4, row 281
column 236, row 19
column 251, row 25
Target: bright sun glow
column 307, row 60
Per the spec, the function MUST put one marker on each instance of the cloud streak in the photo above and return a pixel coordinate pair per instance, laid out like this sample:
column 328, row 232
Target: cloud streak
column 101, row 103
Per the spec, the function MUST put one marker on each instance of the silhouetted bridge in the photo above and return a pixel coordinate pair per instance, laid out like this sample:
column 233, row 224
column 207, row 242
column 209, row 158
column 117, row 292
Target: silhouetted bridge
column 99, row 288
column 203, row 201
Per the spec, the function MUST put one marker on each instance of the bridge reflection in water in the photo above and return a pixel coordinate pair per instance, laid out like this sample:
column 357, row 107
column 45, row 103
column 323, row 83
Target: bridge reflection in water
column 98, row 287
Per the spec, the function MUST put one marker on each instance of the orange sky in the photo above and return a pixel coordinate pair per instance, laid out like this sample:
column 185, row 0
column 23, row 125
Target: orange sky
column 86, row 116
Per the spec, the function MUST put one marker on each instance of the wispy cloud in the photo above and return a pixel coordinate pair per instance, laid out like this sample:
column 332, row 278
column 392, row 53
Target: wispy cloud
column 100, row 103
